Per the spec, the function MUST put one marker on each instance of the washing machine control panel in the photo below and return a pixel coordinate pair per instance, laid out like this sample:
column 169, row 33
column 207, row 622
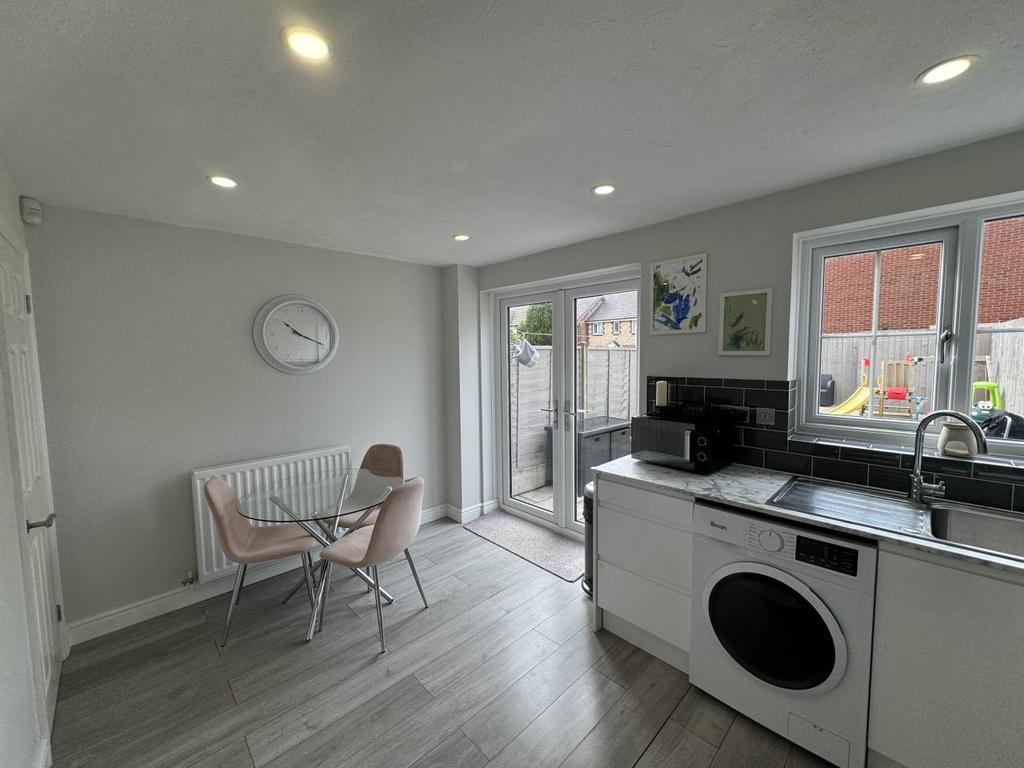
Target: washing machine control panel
column 826, row 554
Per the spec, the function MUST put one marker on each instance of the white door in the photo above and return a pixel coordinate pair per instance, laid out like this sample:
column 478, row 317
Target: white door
column 567, row 374
column 530, row 373
column 22, row 400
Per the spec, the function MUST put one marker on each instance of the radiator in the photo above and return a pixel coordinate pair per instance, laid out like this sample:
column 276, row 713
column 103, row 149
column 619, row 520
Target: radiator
column 247, row 477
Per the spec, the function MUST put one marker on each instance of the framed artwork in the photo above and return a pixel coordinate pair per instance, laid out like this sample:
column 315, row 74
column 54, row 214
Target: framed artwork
column 746, row 322
column 679, row 302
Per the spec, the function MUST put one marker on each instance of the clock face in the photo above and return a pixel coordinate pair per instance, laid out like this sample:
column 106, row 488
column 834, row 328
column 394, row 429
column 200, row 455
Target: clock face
column 295, row 334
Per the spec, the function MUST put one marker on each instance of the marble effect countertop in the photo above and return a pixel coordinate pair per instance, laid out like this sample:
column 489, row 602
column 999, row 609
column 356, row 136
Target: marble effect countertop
column 750, row 488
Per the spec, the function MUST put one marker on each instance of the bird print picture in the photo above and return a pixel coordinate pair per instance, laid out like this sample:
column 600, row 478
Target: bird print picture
column 679, row 301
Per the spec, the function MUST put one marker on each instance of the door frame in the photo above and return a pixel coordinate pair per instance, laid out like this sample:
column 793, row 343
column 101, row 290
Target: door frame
column 499, row 382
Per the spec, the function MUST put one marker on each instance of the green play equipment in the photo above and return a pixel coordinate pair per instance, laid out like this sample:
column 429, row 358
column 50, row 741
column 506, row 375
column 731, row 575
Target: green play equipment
column 992, row 397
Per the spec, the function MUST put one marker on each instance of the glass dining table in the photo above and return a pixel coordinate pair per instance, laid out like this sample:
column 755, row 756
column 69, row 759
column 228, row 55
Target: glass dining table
column 316, row 504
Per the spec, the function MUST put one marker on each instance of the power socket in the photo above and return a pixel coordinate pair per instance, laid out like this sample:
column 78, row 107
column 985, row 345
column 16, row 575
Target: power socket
column 765, row 417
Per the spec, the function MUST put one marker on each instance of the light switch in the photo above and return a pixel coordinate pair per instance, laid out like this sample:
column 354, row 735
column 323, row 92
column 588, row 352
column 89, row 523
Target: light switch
column 765, row 417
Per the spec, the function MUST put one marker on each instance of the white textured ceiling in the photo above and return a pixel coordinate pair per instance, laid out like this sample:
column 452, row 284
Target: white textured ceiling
column 493, row 117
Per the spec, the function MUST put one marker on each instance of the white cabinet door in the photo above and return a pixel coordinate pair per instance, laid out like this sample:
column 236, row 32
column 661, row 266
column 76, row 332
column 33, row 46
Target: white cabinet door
column 644, row 548
column 21, row 397
column 948, row 670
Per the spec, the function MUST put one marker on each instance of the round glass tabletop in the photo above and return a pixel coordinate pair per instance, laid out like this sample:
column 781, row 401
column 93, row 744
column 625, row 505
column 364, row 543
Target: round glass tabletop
column 318, row 498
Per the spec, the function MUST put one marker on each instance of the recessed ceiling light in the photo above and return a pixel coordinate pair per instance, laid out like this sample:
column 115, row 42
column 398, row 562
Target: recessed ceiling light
column 307, row 43
column 946, row 70
column 223, row 182
column 461, row 237
column 603, row 189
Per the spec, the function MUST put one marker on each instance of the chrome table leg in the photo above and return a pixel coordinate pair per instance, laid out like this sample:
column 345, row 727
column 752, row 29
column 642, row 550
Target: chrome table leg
column 380, row 613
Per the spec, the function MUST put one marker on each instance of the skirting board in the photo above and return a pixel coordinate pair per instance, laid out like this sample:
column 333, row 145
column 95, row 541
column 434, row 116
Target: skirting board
column 470, row 513
column 133, row 613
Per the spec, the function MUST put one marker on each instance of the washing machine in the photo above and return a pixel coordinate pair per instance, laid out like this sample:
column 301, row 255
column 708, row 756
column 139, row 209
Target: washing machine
column 781, row 627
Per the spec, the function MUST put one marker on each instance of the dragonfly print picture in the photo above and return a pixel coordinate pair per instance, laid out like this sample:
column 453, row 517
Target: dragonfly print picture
column 679, row 300
column 746, row 322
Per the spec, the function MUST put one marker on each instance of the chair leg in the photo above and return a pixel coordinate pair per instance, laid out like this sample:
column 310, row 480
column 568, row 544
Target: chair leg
column 317, row 606
column 416, row 577
column 239, row 578
column 327, row 592
column 380, row 614
column 307, row 573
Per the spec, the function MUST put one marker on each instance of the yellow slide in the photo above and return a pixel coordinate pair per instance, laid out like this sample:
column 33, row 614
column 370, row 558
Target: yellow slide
column 853, row 404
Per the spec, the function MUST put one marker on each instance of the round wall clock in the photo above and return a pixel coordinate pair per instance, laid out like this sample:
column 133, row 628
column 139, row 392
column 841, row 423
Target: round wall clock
column 295, row 334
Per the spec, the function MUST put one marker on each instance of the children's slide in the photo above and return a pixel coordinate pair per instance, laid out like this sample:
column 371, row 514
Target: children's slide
column 853, row 404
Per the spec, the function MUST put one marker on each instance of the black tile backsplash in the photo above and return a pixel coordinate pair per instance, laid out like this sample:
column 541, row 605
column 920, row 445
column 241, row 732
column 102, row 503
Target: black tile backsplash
column 794, row 463
column 993, row 483
column 843, row 471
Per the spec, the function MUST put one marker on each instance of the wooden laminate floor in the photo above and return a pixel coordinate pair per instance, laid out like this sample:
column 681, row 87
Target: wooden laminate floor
column 502, row 670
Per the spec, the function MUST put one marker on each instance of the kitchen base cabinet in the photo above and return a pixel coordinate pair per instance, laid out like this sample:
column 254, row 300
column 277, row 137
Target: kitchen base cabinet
column 947, row 678
column 643, row 553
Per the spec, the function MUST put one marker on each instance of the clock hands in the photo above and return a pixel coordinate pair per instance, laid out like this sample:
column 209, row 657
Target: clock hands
column 299, row 333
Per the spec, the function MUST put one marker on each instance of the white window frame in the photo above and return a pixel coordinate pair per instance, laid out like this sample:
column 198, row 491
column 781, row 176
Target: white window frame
column 960, row 288
column 616, row 328
column 598, row 327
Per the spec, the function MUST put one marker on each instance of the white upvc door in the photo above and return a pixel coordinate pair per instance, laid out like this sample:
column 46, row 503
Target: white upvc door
column 542, row 395
column 530, row 371
column 21, row 399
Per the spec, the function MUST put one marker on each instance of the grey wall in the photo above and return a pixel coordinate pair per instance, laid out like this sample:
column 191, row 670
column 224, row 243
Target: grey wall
column 19, row 727
column 149, row 370
column 462, row 382
column 750, row 244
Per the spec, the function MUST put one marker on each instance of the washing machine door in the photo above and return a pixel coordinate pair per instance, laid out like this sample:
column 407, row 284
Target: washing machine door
column 775, row 627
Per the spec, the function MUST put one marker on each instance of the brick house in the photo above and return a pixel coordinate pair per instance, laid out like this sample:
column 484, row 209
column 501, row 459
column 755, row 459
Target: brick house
column 910, row 280
column 609, row 321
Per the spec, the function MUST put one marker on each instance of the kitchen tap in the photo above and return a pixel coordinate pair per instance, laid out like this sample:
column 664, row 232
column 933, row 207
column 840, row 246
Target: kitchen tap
column 918, row 487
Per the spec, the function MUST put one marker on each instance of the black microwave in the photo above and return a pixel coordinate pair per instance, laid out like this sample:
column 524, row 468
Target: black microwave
column 694, row 440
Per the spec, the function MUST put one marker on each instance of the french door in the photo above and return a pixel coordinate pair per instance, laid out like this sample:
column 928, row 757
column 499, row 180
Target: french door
column 567, row 375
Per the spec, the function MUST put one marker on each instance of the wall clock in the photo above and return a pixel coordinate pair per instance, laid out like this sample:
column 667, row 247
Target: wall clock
column 295, row 334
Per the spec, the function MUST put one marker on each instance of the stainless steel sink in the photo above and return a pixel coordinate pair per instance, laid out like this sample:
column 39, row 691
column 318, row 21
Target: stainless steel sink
column 978, row 528
column 962, row 525
column 876, row 509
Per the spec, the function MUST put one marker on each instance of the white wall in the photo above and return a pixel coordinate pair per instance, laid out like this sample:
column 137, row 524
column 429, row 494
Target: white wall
column 19, row 727
column 750, row 244
column 149, row 370
column 462, row 387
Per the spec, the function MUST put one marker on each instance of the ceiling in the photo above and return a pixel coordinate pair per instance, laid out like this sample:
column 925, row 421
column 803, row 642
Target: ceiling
column 481, row 116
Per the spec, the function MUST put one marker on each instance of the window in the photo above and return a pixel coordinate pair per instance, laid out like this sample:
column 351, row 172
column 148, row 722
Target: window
column 632, row 327
column 596, row 329
column 882, row 337
column 616, row 328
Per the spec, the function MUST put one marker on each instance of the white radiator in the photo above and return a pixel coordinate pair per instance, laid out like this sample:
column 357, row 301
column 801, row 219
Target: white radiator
column 246, row 477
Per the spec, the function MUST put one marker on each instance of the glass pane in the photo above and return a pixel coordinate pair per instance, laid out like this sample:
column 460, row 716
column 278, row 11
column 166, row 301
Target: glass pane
column 607, row 392
column 771, row 631
column 899, row 366
column 998, row 381
column 848, row 293
column 908, row 296
column 530, row 400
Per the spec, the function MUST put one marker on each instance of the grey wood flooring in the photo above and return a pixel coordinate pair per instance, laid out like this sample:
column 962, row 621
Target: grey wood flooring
column 502, row 670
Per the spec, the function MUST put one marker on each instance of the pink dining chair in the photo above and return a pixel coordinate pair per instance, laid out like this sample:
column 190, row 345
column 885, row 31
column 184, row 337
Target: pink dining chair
column 245, row 543
column 397, row 523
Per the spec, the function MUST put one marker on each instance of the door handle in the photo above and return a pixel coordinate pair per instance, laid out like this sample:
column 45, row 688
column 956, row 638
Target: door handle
column 554, row 411
column 944, row 338
column 47, row 523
